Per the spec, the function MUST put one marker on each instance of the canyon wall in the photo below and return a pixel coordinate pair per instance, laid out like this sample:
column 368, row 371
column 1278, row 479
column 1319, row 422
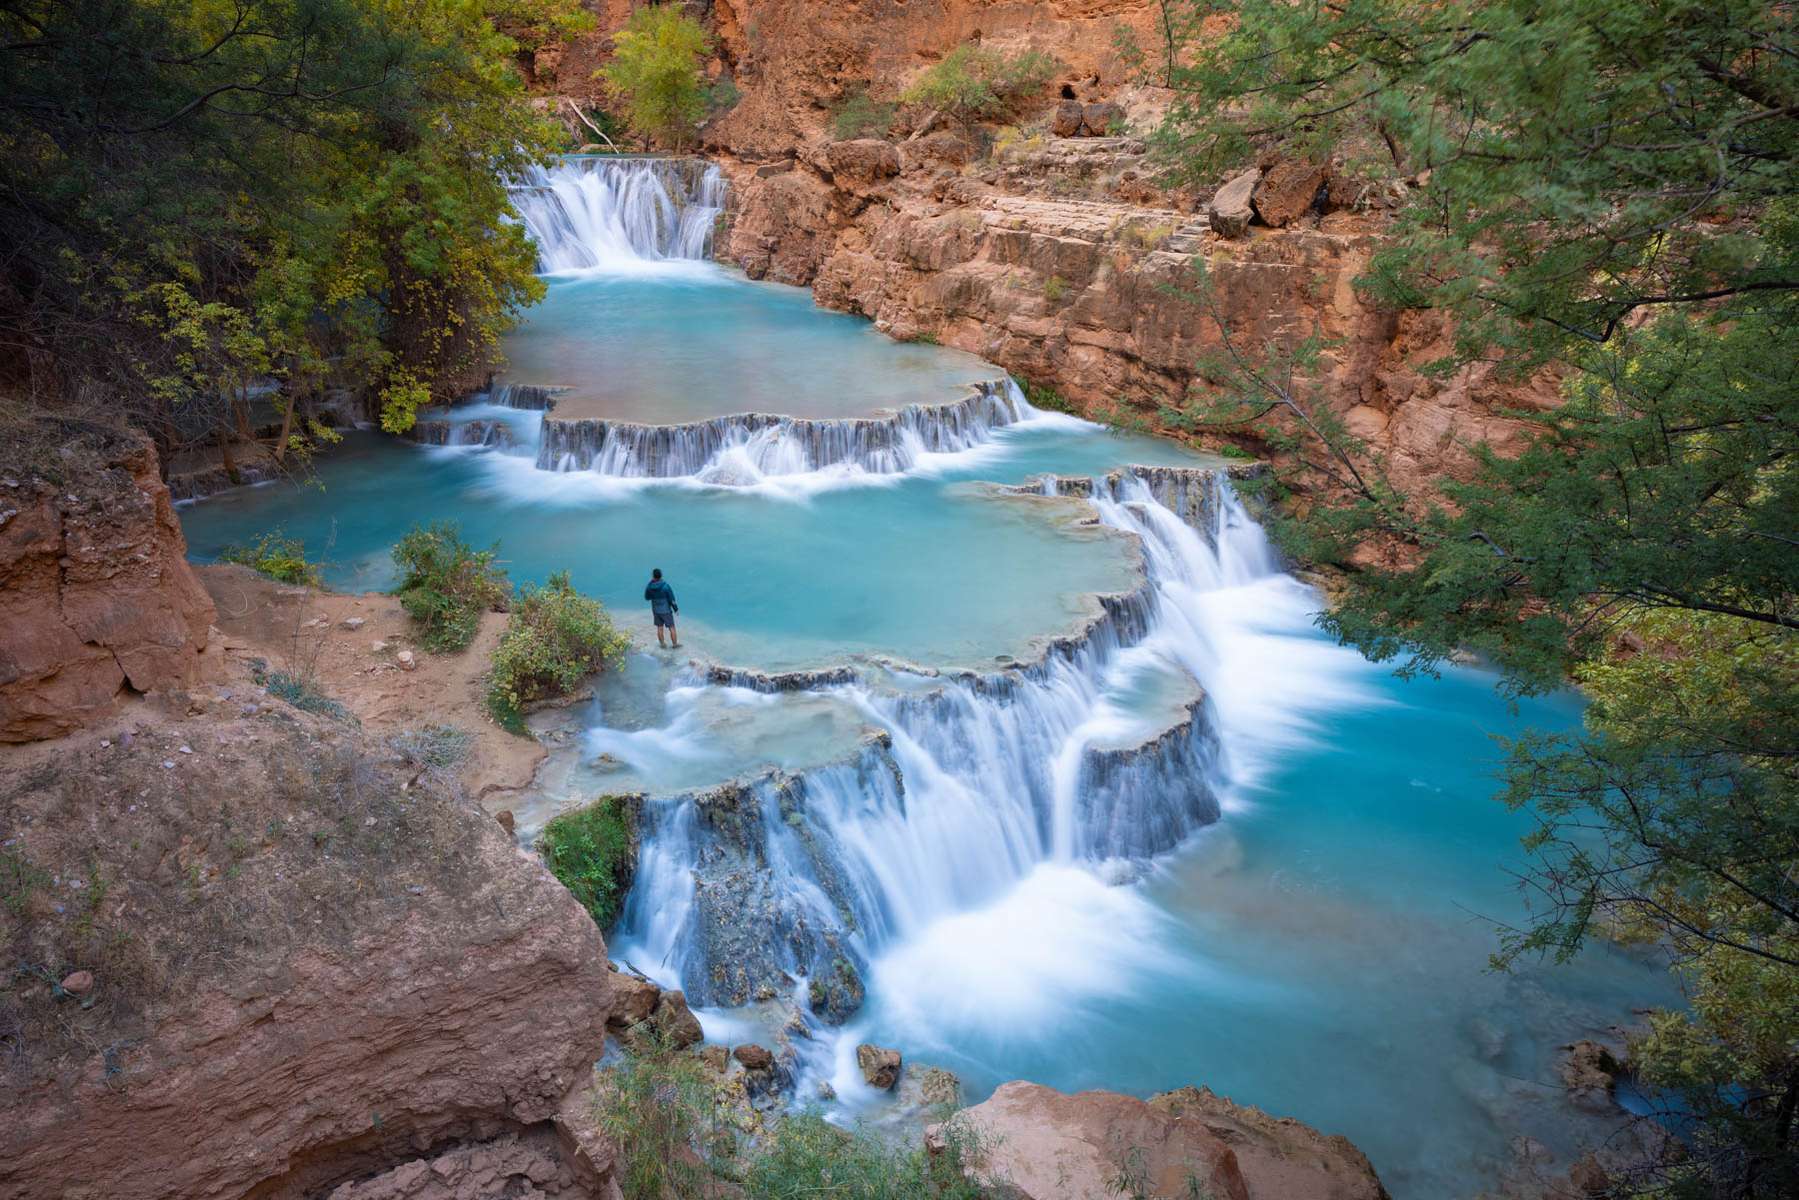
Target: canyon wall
column 1067, row 260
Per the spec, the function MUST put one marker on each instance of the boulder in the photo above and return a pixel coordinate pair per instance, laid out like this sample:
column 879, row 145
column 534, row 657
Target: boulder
column 1044, row 1145
column 676, row 1022
column 633, row 999
column 1230, row 209
column 1280, row 1158
column 863, row 160
column 1287, row 191
column 1068, row 118
column 879, row 1065
column 78, row 983
column 754, row 1057
column 1102, row 119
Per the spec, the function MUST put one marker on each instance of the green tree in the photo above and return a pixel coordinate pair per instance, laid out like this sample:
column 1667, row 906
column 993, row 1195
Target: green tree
column 656, row 71
column 972, row 82
column 1607, row 190
column 321, row 179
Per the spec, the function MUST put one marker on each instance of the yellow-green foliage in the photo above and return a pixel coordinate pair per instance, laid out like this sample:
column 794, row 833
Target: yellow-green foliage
column 311, row 193
column 655, row 71
column 278, row 557
column 1054, row 288
column 972, row 81
column 448, row 584
column 1011, row 142
column 1146, row 235
column 554, row 638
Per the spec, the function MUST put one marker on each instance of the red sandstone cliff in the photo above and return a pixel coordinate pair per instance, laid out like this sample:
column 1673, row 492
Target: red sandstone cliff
column 96, row 596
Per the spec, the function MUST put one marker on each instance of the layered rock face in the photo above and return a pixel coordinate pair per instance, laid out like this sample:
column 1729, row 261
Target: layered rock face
column 1045, row 1145
column 307, row 964
column 1057, row 253
column 96, row 597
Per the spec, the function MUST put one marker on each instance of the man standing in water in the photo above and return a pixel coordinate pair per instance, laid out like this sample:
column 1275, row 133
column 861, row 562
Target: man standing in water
column 662, row 608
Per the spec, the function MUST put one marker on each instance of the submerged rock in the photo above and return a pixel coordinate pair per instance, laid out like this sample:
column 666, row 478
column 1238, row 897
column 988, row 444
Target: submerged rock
column 1589, row 1071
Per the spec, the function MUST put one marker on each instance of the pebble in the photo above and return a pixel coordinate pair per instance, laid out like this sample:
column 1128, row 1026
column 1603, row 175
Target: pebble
column 353, row 623
column 168, row 764
column 78, row 983
column 187, row 749
column 249, row 710
column 105, row 743
column 406, row 660
column 378, row 647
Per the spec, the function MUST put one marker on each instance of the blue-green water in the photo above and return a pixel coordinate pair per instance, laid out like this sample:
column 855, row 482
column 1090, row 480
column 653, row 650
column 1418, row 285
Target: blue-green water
column 692, row 341
column 1320, row 951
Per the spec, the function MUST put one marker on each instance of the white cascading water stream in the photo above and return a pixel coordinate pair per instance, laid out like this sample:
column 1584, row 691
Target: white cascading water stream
column 986, row 780
column 613, row 213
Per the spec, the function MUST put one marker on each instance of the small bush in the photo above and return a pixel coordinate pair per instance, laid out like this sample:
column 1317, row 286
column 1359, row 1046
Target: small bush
column 662, row 1110
column 448, row 585
column 1013, row 142
column 971, row 82
column 861, row 116
column 804, row 1155
column 437, row 747
column 278, row 557
column 555, row 638
column 1054, row 288
column 1041, row 395
column 722, row 97
column 1146, row 236
column 593, row 852
column 297, row 691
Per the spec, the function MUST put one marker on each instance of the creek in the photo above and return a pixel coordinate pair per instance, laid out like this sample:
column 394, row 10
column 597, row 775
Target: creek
column 997, row 736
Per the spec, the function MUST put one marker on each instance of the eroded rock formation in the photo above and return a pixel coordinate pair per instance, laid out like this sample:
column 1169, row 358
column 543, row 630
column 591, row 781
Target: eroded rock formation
column 310, row 966
column 96, row 596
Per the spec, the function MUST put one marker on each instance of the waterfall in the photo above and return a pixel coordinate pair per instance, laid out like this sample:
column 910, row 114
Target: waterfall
column 973, row 782
column 617, row 213
column 746, row 448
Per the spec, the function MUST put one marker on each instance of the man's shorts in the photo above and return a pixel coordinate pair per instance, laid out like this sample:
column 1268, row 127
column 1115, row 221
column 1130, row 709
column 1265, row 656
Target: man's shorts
column 665, row 619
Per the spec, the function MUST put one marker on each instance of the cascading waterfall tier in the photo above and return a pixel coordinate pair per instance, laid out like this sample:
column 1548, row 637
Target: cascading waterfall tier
column 966, row 783
column 619, row 212
column 747, row 447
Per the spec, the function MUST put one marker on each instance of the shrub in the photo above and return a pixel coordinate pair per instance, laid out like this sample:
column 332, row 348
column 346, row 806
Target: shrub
column 804, row 1156
column 722, row 97
column 971, row 82
column 860, row 116
column 278, row 557
column 1054, row 288
column 593, row 852
column 300, row 693
column 655, row 70
column 1013, row 142
column 1041, row 395
column 448, row 584
column 554, row 638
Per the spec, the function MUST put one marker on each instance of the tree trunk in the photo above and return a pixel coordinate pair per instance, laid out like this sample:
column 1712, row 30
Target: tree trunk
column 225, row 454
column 287, row 427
